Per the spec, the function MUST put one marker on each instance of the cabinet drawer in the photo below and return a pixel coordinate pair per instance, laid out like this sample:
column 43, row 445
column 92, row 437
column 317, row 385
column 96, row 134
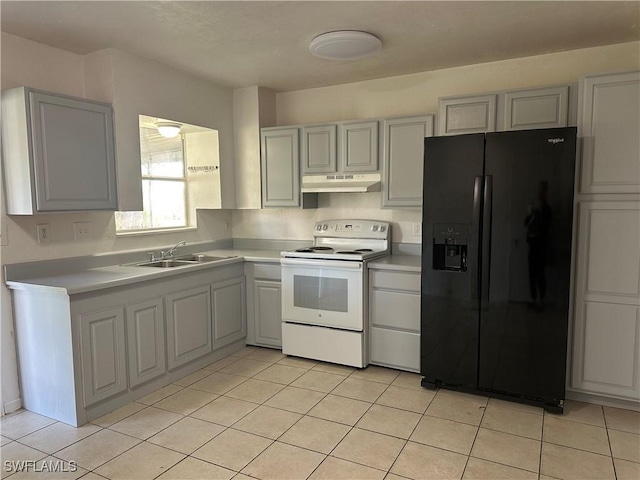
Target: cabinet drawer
column 269, row 272
column 395, row 309
column 395, row 349
column 395, row 280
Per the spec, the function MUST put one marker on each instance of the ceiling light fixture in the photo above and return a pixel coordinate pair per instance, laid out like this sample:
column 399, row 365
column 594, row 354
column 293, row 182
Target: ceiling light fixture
column 168, row 129
column 345, row 45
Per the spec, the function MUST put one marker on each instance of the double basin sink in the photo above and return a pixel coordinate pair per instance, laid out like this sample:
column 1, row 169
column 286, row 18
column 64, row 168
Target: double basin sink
column 183, row 260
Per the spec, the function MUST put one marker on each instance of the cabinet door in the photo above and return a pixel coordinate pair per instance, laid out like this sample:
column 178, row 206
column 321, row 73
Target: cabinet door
column 606, row 346
column 102, row 348
column 359, row 146
column 188, row 325
column 268, row 312
column 319, row 149
column 403, row 158
column 145, row 337
column 73, row 153
column 229, row 311
column 469, row 114
column 280, row 167
column 609, row 122
column 537, row 108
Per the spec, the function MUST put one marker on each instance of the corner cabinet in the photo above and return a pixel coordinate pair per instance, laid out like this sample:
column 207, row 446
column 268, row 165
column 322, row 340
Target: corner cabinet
column 264, row 304
column 58, row 153
column 609, row 122
column 403, row 159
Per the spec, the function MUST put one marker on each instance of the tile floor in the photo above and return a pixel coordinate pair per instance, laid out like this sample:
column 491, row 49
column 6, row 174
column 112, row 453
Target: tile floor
column 259, row 414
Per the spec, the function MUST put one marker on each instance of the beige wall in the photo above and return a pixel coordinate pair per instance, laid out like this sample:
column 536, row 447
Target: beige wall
column 407, row 95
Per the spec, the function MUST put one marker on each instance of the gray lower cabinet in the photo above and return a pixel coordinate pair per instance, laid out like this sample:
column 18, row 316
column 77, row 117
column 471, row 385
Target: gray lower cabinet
column 58, row 153
column 394, row 319
column 188, row 325
column 104, row 371
column 229, row 311
column 146, row 340
column 83, row 355
column 403, row 159
column 264, row 304
column 467, row 114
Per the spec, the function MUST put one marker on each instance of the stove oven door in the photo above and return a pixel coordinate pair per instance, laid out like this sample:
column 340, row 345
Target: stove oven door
column 327, row 293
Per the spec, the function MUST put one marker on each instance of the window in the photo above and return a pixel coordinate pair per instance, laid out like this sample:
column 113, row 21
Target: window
column 179, row 176
column 164, row 185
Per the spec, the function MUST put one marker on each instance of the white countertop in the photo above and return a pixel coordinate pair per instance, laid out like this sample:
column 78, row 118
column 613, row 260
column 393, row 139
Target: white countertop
column 118, row 275
column 404, row 263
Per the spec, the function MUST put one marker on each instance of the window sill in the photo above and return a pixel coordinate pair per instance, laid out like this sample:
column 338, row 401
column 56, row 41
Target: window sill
column 163, row 231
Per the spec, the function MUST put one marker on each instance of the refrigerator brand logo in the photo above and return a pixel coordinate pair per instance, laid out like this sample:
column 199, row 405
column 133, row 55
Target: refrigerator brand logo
column 555, row 140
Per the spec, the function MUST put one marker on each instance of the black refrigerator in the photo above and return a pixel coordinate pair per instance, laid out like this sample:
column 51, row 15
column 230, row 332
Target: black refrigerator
column 496, row 263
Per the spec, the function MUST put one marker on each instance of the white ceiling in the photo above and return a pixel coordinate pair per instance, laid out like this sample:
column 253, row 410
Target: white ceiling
column 245, row 43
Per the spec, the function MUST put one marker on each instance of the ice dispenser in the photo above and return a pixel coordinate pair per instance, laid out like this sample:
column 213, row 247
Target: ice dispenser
column 450, row 246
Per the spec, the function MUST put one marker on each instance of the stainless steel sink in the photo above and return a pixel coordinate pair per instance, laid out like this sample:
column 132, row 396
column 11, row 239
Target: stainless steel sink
column 165, row 263
column 200, row 258
column 182, row 261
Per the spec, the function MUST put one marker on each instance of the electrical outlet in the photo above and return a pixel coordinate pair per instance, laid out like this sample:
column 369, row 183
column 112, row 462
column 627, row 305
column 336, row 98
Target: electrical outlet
column 226, row 225
column 417, row 229
column 82, row 231
column 44, row 233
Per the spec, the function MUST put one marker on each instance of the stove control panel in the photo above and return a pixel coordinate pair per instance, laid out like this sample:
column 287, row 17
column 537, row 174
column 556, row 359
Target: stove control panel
column 352, row 229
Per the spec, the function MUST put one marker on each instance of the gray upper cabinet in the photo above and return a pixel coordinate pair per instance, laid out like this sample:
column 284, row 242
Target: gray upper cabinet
column 609, row 122
column 58, row 153
column 536, row 108
column 280, row 167
column 467, row 114
column 319, row 149
column 359, row 146
column 345, row 147
column 403, row 158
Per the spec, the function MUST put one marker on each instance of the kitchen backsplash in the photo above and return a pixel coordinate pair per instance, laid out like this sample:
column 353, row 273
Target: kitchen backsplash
column 295, row 224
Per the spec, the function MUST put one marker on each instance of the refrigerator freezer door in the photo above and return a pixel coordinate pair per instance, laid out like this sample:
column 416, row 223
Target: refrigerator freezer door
column 449, row 305
column 523, row 327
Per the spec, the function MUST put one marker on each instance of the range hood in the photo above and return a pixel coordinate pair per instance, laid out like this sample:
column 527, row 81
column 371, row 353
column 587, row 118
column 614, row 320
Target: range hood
column 357, row 182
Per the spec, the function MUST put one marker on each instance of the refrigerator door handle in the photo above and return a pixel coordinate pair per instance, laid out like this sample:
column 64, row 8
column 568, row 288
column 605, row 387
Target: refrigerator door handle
column 475, row 229
column 485, row 260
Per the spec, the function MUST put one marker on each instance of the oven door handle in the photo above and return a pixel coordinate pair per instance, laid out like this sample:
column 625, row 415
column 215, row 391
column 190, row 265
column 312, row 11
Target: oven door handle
column 346, row 265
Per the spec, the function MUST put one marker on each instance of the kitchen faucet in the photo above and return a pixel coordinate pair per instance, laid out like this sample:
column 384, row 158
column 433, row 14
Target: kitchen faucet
column 169, row 253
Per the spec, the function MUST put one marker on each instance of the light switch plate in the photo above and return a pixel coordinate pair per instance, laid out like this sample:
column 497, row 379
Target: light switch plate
column 417, row 229
column 4, row 234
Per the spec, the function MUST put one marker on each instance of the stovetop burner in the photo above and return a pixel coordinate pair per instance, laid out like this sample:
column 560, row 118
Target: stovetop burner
column 314, row 249
column 352, row 252
column 363, row 250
